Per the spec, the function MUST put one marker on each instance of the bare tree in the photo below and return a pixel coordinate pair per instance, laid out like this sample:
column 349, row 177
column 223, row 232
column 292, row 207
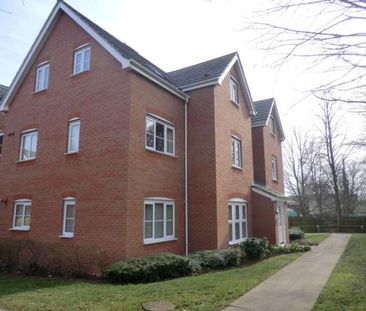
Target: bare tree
column 298, row 168
column 329, row 33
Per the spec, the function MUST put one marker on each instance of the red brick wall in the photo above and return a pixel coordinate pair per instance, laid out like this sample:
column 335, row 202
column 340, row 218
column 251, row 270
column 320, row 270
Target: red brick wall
column 258, row 155
column 106, row 176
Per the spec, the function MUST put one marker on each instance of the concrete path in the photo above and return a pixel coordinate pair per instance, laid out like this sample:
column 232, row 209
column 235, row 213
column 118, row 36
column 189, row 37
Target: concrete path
column 297, row 286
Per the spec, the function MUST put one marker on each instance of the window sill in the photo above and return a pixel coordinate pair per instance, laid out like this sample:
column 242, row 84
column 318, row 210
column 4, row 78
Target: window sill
column 40, row 92
column 71, row 153
column 66, row 236
column 19, row 229
column 236, row 167
column 235, row 103
column 275, row 180
column 74, row 75
column 24, row 161
column 147, row 242
column 237, row 241
column 160, row 152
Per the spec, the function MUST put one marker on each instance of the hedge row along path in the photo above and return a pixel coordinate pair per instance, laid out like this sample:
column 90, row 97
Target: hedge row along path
column 298, row 285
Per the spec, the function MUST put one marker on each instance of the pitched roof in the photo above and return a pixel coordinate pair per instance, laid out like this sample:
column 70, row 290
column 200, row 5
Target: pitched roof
column 3, row 91
column 264, row 109
column 199, row 73
column 125, row 50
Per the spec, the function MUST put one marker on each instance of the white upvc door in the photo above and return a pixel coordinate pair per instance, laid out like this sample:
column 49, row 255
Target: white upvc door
column 281, row 223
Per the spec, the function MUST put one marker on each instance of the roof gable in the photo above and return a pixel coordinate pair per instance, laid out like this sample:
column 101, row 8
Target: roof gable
column 210, row 73
column 264, row 109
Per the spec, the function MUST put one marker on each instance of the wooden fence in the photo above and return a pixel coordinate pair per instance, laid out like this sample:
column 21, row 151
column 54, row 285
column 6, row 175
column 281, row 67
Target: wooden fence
column 329, row 224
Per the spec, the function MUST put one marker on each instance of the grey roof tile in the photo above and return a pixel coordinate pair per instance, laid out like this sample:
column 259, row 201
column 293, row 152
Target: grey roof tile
column 3, row 91
column 205, row 71
column 262, row 109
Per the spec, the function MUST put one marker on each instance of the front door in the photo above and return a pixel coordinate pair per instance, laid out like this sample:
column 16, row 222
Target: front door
column 281, row 223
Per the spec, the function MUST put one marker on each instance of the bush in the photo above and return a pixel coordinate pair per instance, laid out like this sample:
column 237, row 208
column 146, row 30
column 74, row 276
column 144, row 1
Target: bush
column 290, row 248
column 215, row 259
column 151, row 268
column 307, row 242
column 255, row 248
column 296, row 233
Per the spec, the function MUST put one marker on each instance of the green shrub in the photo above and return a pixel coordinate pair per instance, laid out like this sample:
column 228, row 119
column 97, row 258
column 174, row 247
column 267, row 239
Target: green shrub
column 149, row 268
column 307, row 242
column 255, row 248
column 215, row 259
column 296, row 233
column 290, row 248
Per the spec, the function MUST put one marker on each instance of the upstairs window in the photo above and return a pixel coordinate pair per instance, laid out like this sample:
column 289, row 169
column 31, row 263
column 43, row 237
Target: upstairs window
column 272, row 126
column 74, row 135
column 42, row 77
column 28, row 145
column 159, row 223
column 274, row 169
column 236, row 152
column 234, row 94
column 160, row 136
column 237, row 222
column 68, row 222
column 81, row 60
column 22, row 214
column 1, row 142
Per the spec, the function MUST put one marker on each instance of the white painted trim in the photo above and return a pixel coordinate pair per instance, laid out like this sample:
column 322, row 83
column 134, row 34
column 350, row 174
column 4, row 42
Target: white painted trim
column 166, row 127
column 159, row 199
column 82, row 46
column 68, row 201
column 237, row 200
column 240, row 220
column 227, row 69
column 72, row 123
column 30, row 130
column 160, row 118
column 22, row 138
column 24, row 202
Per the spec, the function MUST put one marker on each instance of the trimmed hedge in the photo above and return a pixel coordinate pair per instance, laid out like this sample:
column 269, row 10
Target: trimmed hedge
column 290, row 248
column 150, row 268
column 255, row 248
column 296, row 233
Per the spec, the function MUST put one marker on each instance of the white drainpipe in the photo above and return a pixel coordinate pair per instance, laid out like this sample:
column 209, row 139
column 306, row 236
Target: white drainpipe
column 186, row 174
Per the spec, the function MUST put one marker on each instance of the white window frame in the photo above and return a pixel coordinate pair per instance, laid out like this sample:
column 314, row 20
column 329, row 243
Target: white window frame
column 236, row 152
column 272, row 126
column 274, row 169
column 165, row 202
column 166, row 127
column 44, row 69
column 234, row 91
column 81, row 51
column 23, row 136
column 231, row 222
column 71, row 124
column 1, row 142
column 24, row 203
column 68, row 201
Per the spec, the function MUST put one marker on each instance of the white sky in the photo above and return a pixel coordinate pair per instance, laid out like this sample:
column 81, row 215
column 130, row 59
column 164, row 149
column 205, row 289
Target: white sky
column 173, row 34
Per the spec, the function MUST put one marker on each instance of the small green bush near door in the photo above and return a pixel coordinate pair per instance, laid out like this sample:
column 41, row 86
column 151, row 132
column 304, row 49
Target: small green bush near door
column 296, row 233
column 255, row 248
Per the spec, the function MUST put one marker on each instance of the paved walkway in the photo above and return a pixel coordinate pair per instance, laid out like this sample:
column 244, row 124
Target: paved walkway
column 297, row 286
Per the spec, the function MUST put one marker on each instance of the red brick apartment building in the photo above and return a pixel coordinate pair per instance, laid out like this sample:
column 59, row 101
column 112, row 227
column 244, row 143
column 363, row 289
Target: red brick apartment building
column 98, row 146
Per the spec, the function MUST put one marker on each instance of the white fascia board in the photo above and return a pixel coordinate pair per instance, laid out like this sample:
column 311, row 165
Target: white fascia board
column 227, row 69
column 277, row 116
column 155, row 78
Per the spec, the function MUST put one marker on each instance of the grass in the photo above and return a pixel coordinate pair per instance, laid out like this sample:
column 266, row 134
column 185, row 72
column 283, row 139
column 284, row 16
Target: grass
column 205, row 292
column 316, row 237
column 346, row 287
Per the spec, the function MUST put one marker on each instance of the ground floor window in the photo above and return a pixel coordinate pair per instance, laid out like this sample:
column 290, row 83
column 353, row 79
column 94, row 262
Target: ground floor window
column 22, row 214
column 68, row 222
column 159, row 220
column 237, row 221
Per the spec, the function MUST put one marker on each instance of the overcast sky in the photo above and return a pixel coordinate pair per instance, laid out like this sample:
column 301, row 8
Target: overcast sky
column 173, row 34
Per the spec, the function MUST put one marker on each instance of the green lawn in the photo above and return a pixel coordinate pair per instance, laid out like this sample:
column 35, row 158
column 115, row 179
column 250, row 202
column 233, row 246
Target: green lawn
column 316, row 237
column 205, row 292
column 346, row 287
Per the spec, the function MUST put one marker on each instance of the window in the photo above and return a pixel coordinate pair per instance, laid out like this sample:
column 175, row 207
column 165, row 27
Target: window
column 68, row 218
column 28, row 145
column 74, row 133
column 274, row 169
column 236, row 152
column 272, row 125
column 1, row 142
column 160, row 136
column 234, row 96
column 42, row 77
column 237, row 221
column 159, row 224
column 81, row 60
column 22, row 214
